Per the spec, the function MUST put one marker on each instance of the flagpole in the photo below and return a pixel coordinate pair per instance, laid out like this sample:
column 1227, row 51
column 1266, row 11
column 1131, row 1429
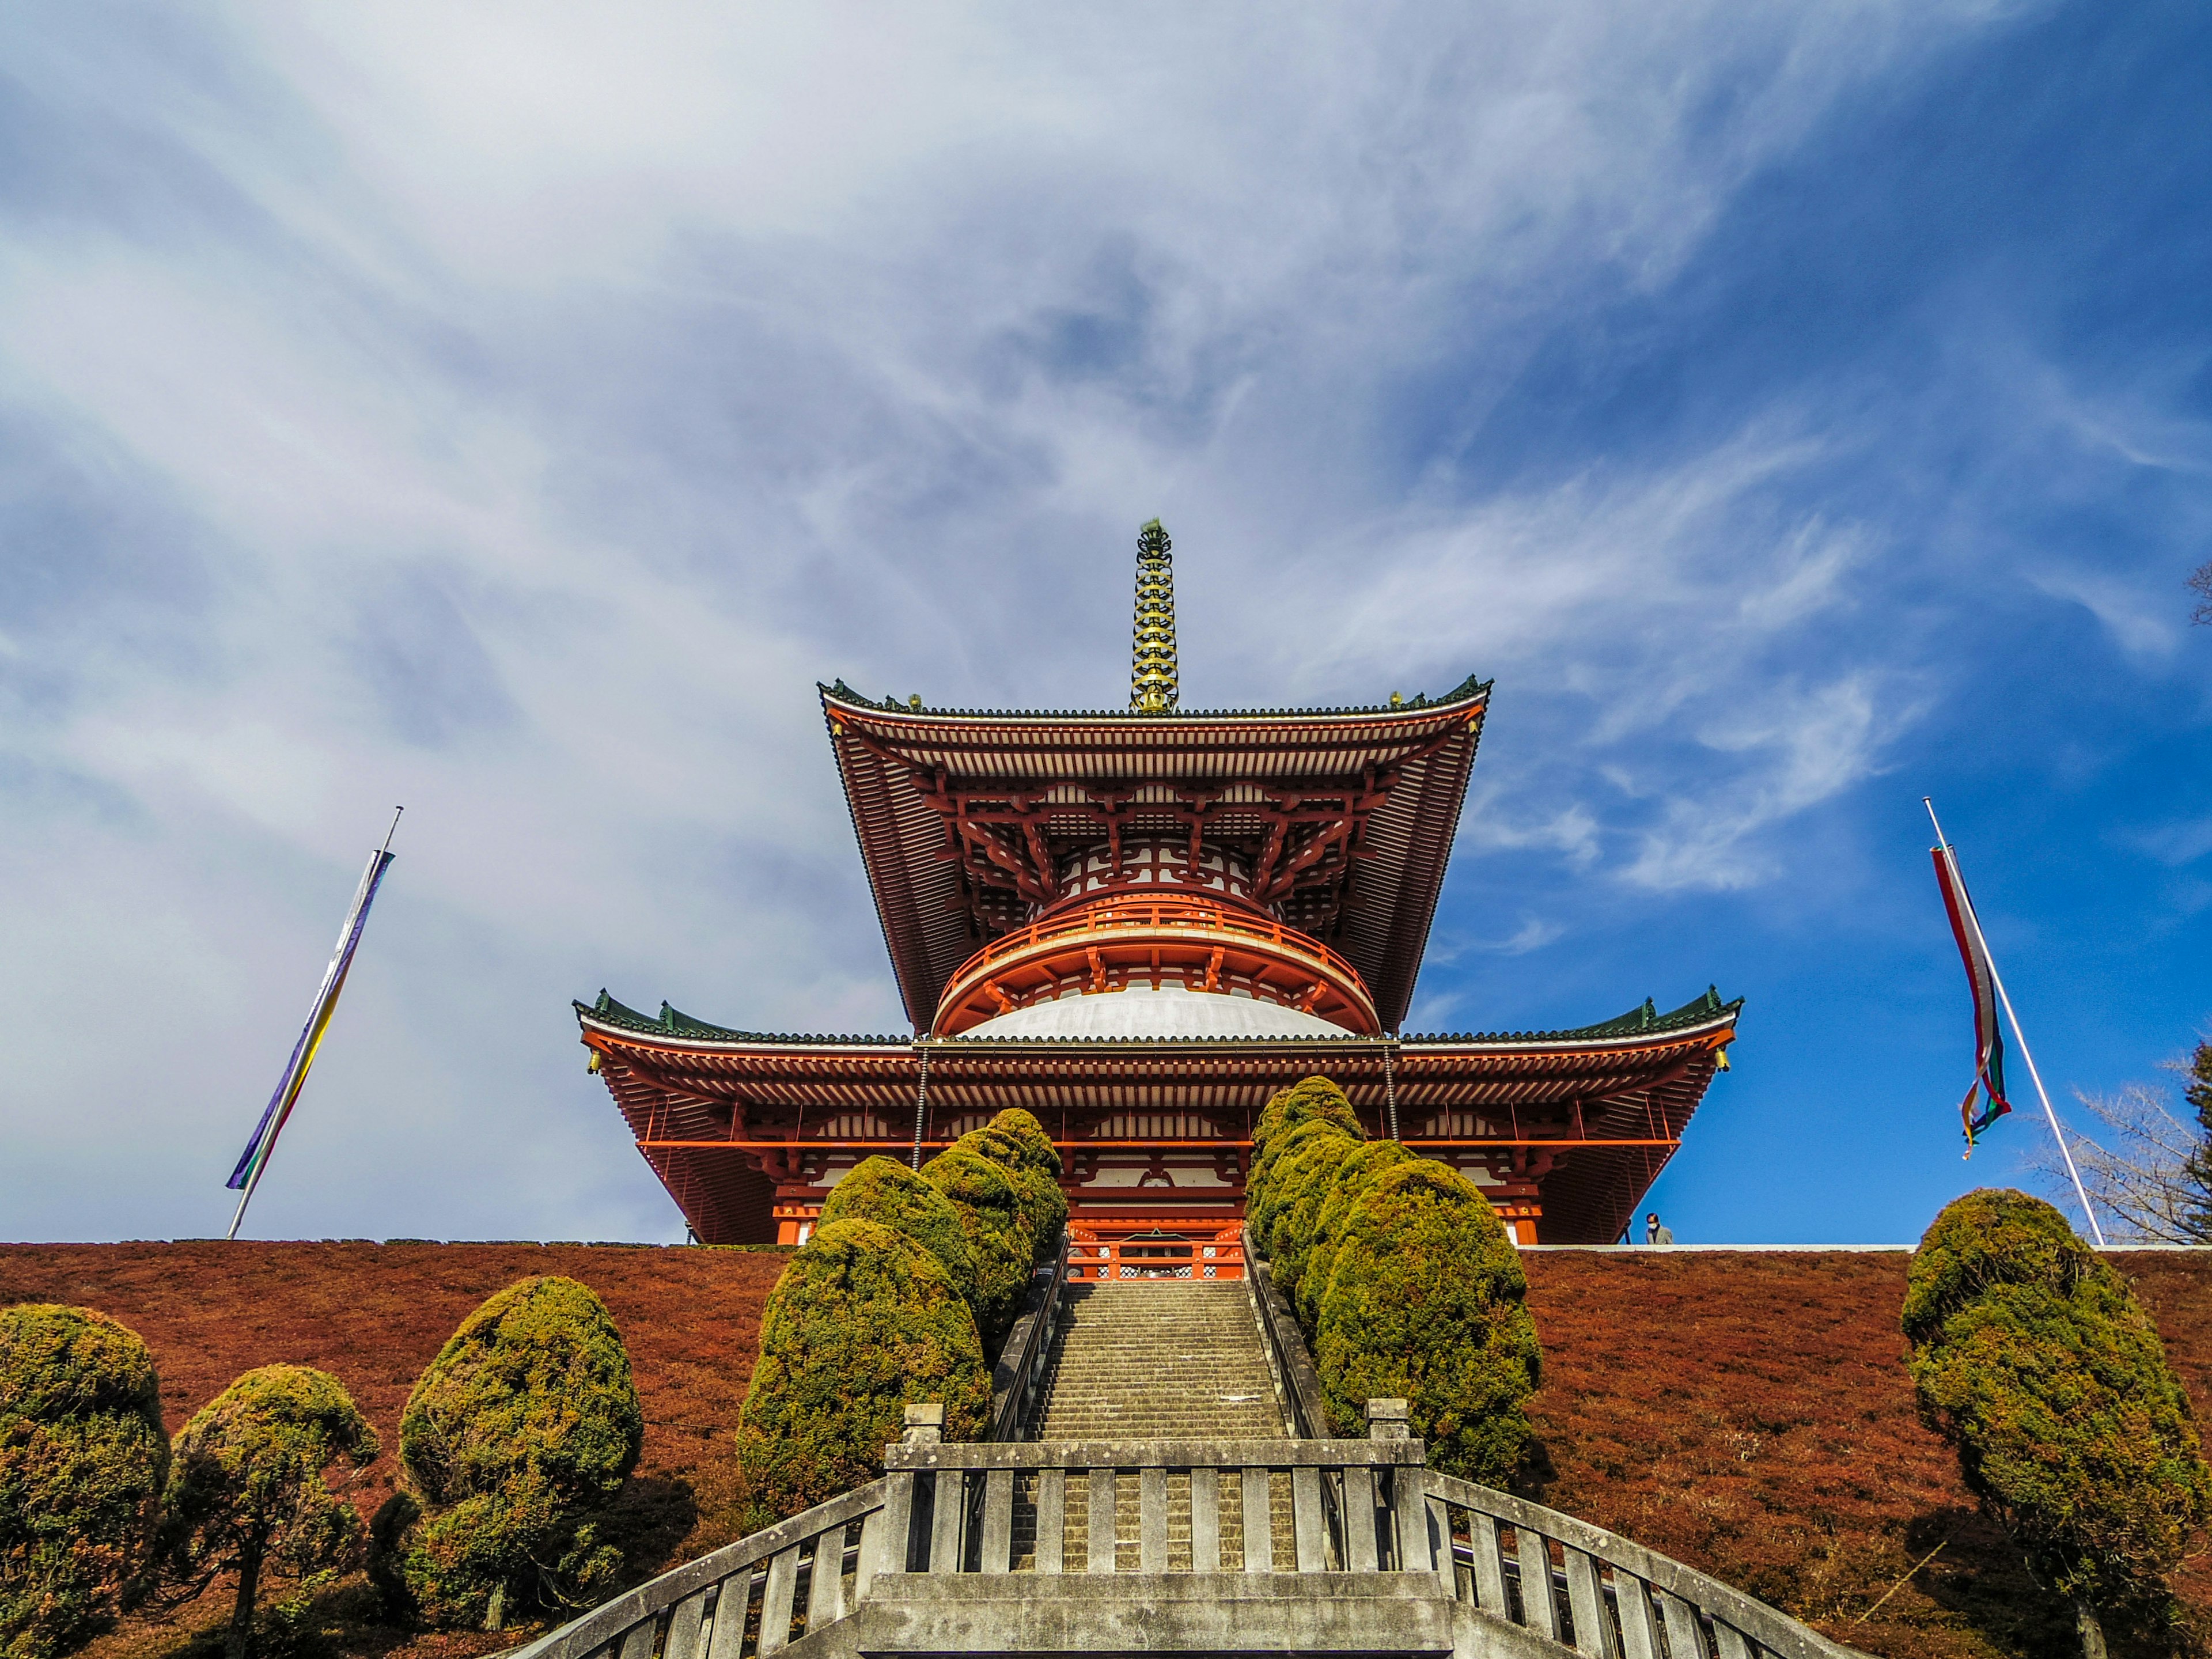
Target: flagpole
column 325, row 999
column 1974, row 921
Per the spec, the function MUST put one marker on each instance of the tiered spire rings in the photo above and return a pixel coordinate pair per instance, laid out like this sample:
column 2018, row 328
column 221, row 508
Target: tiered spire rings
column 1152, row 689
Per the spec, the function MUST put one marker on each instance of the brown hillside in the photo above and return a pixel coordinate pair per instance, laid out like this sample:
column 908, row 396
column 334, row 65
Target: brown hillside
column 1746, row 1412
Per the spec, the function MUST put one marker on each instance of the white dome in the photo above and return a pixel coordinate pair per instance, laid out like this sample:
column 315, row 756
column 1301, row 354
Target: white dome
column 1162, row 1013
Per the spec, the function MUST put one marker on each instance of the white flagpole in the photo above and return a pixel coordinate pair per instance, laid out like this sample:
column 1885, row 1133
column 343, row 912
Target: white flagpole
column 322, row 994
column 2018, row 1035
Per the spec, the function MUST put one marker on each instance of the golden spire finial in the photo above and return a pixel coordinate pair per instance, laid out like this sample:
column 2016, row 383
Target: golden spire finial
column 1152, row 664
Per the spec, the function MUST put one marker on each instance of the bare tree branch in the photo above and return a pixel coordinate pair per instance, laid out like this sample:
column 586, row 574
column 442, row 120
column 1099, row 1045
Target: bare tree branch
column 2200, row 580
column 2145, row 1171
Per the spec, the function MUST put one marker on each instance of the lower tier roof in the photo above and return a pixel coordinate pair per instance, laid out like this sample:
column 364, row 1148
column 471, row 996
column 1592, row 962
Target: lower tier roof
column 1600, row 1108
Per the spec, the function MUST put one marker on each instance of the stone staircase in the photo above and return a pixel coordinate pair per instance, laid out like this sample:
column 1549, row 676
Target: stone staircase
column 1173, row 1360
column 1158, row 1500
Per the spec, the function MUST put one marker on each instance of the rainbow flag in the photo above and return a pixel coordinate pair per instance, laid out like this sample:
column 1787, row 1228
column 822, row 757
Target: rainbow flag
column 254, row 1161
column 1981, row 981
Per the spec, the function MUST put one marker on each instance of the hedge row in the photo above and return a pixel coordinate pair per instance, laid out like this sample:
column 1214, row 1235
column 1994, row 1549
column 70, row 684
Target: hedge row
column 1402, row 1278
column 904, row 1292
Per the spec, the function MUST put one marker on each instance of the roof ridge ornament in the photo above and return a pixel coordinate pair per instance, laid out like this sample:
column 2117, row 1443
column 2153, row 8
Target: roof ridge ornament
column 1152, row 688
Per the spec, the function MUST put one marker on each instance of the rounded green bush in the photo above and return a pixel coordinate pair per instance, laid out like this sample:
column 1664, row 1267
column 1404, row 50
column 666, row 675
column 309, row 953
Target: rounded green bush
column 1302, row 1181
column 1043, row 1205
column 996, row 1226
column 885, row 1191
column 863, row 1323
column 82, row 1459
column 246, row 1492
column 527, row 1420
column 1267, row 1197
column 1017, row 1140
column 1035, row 1150
column 2032, row 1356
column 1304, row 1101
column 1426, row 1302
column 1368, row 1165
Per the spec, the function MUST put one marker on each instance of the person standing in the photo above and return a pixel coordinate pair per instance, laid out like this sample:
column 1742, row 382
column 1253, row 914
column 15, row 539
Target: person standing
column 1657, row 1232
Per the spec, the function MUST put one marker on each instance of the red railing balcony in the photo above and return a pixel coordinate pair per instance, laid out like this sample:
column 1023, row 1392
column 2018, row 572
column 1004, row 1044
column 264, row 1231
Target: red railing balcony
column 1188, row 942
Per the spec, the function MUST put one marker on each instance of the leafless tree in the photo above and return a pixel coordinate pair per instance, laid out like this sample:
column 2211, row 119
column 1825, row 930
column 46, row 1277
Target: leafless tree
column 2145, row 1169
column 2202, row 581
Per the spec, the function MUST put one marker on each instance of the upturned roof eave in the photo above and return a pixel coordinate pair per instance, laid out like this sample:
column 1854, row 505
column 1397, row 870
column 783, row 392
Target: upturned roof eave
column 1664, row 1031
column 1471, row 691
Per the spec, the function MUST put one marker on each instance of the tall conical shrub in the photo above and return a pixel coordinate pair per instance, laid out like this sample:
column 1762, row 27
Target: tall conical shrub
column 526, row 1422
column 1017, row 1143
column 1300, row 1181
column 2033, row 1358
column 1265, row 1197
column 996, row 1225
column 1367, row 1164
column 1304, row 1101
column 885, row 1191
column 863, row 1323
column 1426, row 1302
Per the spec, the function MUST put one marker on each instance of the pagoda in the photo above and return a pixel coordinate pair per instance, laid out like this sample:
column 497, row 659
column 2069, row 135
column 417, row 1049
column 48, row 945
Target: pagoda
column 1138, row 924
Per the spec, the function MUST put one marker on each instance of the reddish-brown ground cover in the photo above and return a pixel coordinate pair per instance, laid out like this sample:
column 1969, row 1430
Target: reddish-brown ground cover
column 1748, row 1413
column 373, row 1315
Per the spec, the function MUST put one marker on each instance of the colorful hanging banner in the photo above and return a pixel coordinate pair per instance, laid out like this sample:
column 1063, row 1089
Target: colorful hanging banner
column 1981, row 981
column 255, row 1160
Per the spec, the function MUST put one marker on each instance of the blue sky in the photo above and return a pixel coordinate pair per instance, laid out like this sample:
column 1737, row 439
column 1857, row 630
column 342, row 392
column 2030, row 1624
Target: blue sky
column 513, row 412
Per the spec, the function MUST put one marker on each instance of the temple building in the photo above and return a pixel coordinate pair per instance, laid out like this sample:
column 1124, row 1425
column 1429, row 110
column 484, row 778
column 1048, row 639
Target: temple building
column 1138, row 924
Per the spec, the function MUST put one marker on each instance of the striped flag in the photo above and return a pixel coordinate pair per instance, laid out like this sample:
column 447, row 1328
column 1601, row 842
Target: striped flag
column 1981, row 981
column 254, row 1161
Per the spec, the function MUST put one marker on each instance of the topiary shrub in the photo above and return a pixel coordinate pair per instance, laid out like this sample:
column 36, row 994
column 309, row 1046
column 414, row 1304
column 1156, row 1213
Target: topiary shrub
column 1302, row 1180
column 886, row 1192
column 82, row 1462
column 1304, row 1101
column 526, row 1422
column 1265, row 1198
column 996, row 1226
column 1368, row 1163
column 247, row 1489
column 2031, row 1356
column 1017, row 1143
column 863, row 1323
column 1425, row 1302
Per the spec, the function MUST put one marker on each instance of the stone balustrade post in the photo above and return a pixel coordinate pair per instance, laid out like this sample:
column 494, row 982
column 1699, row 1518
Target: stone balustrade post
column 925, row 1425
column 1387, row 1420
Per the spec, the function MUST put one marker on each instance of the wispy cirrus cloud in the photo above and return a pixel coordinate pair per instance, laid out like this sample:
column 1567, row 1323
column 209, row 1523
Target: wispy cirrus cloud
column 515, row 410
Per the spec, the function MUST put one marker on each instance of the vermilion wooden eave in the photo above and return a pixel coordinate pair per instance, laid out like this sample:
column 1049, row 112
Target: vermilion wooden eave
column 1605, row 1114
column 1404, row 845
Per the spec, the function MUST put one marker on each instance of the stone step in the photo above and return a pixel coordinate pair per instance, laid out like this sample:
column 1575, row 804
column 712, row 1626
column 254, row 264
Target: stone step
column 1159, row 1359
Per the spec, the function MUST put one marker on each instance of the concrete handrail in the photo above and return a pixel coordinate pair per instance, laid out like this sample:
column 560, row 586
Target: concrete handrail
column 1607, row 1597
column 1317, row 1513
column 1020, row 1370
column 1355, row 1506
column 1286, row 1349
column 710, row 1603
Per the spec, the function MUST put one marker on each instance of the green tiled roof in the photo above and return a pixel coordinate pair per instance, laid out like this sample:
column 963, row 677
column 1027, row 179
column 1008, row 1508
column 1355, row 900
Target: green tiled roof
column 1643, row 1021
column 671, row 1022
column 1646, row 1021
column 1472, row 685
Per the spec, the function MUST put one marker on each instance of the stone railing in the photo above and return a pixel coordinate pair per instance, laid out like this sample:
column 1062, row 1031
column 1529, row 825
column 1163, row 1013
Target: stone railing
column 1594, row 1591
column 1337, row 1547
column 1299, row 1505
column 1286, row 1350
column 1020, row 1372
column 746, row 1600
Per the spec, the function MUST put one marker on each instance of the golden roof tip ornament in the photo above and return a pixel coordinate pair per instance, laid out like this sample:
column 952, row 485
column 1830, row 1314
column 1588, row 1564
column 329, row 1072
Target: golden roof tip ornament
column 1152, row 689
